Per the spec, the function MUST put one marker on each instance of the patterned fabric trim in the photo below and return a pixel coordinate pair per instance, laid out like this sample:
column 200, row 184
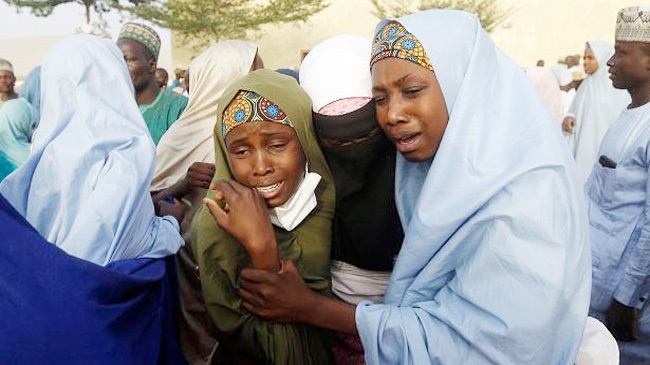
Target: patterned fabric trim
column 248, row 106
column 395, row 41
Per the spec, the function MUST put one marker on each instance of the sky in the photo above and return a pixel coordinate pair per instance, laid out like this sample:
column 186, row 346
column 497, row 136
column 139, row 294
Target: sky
column 63, row 21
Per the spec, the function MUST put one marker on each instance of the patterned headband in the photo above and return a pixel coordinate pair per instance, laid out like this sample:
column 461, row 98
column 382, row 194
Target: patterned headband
column 395, row 41
column 248, row 106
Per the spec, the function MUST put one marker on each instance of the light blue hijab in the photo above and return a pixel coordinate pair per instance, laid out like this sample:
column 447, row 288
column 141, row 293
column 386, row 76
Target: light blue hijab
column 85, row 186
column 30, row 90
column 17, row 122
column 495, row 265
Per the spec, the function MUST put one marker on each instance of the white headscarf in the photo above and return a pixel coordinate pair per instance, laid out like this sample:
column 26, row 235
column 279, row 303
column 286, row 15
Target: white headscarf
column 595, row 107
column 548, row 88
column 332, row 73
column 190, row 139
column 495, row 266
column 85, row 186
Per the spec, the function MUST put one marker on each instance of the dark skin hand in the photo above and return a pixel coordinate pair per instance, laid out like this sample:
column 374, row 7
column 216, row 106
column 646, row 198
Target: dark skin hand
column 175, row 209
column 198, row 176
column 246, row 218
column 620, row 320
column 284, row 297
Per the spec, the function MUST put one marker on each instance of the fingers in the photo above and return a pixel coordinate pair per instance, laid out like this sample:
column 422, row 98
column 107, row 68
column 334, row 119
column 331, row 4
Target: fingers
column 289, row 266
column 256, row 276
column 217, row 212
column 226, row 187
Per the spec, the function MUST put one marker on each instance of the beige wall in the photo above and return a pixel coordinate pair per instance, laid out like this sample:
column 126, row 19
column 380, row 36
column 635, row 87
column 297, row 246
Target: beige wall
column 536, row 29
column 548, row 29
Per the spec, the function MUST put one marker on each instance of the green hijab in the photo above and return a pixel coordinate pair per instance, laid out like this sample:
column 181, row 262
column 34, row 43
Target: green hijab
column 221, row 257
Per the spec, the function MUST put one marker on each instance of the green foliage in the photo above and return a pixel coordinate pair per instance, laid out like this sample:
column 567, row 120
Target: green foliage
column 200, row 22
column 489, row 13
column 392, row 8
column 45, row 7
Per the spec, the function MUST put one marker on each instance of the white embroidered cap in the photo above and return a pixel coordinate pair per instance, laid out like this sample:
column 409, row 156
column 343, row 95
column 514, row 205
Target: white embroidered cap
column 633, row 24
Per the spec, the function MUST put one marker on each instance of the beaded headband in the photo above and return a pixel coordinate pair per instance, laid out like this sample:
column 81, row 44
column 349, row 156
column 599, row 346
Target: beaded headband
column 395, row 41
column 248, row 106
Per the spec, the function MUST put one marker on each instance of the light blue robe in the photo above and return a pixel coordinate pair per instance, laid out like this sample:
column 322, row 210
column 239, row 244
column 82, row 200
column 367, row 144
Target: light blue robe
column 85, row 186
column 495, row 267
column 17, row 121
column 618, row 200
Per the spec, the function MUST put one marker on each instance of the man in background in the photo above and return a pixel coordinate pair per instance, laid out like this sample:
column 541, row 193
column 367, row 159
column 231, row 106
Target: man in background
column 160, row 108
column 7, row 82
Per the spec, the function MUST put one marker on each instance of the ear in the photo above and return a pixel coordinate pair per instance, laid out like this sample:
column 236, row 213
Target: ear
column 153, row 65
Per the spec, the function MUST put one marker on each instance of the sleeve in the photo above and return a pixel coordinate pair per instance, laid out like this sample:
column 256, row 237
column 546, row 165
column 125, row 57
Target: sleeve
column 221, row 258
column 631, row 291
column 511, row 286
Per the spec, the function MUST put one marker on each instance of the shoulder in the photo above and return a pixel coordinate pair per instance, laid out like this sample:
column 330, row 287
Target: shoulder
column 174, row 97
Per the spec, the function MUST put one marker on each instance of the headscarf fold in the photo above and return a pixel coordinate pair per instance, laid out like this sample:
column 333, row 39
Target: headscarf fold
column 85, row 186
column 549, row 89
column 221, row 257
column 17, row 122
column 190, row 138
column 30, row 90
column 595, row 107
column 495, row 265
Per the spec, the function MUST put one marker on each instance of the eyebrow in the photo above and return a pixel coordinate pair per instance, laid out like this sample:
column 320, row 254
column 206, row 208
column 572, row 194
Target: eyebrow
column 397, row 82
column 264, row 134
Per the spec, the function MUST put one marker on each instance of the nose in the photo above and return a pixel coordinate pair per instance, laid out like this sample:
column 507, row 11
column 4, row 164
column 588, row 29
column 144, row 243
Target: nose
column 262, row 165
column 610, row 61
column 396, row 112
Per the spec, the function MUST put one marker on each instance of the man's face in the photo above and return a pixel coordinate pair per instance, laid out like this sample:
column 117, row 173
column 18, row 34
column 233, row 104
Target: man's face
column 140, row 62
column 7, row 81
column 630, row 65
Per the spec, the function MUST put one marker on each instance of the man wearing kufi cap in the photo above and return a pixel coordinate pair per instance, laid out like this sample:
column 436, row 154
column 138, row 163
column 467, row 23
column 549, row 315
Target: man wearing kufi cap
column 7, row 82
column 618, row 192
column 160, row 109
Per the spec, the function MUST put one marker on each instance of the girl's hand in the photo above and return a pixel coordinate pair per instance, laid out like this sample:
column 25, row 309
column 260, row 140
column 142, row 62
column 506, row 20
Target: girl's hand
column 243, row 215
column 279, row 297
column 199, row 175
column 171, row 206
column 569, row 124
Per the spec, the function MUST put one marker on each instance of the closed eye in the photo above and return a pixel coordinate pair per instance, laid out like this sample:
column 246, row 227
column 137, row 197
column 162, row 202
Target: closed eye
column 414, row 91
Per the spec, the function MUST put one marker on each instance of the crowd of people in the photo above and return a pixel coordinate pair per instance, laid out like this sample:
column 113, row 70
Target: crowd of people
column 415, row 198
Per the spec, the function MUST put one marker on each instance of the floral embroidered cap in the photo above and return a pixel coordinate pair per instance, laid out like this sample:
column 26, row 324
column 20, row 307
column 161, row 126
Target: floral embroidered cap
column 248, row 106
column 395, row 41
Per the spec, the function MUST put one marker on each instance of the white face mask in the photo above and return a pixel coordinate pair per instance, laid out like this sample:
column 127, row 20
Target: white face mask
column 290, row 214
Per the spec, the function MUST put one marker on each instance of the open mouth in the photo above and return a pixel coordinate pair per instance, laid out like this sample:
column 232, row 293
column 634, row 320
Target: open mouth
column 407, row 142
column 269, row 191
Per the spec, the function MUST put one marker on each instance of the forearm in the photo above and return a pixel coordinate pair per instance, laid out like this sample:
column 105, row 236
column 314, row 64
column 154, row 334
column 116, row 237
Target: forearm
column 266, row 258
column 178, row 191
column 330, row 313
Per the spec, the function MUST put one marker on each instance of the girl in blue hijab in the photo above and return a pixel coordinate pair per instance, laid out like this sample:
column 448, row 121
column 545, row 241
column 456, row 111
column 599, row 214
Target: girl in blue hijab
column 85, row 186
column 495, row 265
